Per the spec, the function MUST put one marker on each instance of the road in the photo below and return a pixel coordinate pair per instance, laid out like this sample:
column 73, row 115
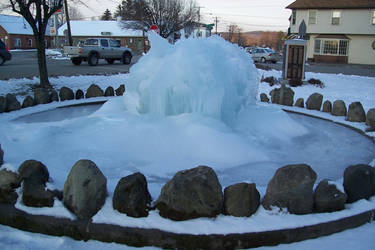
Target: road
column 24, row 64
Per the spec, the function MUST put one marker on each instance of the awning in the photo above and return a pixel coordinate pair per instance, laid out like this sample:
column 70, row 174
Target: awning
column 332, row 36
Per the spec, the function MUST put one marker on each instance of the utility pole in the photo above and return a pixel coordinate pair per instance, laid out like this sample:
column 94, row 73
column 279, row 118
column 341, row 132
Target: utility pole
column 199, row 20
column 70, row 40
column 216, row 21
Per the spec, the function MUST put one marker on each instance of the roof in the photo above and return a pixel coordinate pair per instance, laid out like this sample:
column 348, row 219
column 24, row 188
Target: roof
column 96, row 28
column 332, row 4
column 15, row 25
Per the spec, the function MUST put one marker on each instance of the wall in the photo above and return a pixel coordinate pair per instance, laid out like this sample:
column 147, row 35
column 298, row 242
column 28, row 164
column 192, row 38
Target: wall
column 351, row 22
column 360, row 50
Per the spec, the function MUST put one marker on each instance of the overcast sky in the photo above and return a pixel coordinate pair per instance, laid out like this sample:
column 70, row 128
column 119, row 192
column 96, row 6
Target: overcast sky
column 250, row 15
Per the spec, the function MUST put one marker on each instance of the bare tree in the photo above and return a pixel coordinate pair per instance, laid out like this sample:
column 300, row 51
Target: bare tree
column 74, row 13
column 37, row 14
column 169, row 15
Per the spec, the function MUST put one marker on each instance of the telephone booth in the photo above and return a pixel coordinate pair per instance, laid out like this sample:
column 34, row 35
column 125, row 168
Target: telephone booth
column 294, row 61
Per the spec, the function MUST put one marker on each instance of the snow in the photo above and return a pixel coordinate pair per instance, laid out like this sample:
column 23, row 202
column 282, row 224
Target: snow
column 166, row 122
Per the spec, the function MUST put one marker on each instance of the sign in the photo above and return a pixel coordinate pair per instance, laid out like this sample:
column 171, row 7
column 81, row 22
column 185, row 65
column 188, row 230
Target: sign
column 155, row 28
column 52, row 31
column 105, row 33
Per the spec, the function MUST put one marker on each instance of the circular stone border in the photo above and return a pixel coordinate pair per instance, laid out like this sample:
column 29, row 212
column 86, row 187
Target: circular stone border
column 141, row 237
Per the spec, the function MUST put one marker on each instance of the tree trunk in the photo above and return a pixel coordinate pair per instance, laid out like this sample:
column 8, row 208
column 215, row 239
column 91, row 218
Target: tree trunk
column 42, row 62
column 70, row 39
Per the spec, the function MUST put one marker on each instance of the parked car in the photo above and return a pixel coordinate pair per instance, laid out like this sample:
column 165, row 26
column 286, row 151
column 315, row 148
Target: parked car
column 94, row 49
column 5, row 54
column 264, row 55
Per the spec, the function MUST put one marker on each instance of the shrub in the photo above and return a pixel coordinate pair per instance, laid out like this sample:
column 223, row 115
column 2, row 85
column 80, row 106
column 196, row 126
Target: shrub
column 316, row 82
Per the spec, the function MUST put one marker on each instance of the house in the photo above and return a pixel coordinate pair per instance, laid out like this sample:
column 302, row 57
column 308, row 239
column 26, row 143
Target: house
column 198, row 30
column 16, row 33
column 81, row 30
column 338, row 31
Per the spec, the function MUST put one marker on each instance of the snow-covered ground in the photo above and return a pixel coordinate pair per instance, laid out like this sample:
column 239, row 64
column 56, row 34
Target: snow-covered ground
column 169, row 120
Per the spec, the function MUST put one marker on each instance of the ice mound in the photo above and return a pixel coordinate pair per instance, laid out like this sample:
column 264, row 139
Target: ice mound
column 209, row 76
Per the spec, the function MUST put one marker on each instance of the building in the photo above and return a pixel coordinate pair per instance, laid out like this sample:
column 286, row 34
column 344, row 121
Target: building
column 337, row 31
column 16, row 33
column 81, row 30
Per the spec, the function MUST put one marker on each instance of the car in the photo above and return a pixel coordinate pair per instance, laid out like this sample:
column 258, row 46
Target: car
column 264, row 55
column 5, row 54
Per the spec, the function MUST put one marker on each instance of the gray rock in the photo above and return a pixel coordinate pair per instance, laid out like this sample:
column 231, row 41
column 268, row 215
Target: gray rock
column 291, row 187
column 356, row 113
column 34, row 171
column 8, row 197
column 282, row 96
column 300, row 103
column 264, row 98
column 339, row 108
column 131, row 196
column 12, row 103
column 1, row 156
column 41, row 96
column 2, row 104
column 241, row 200
column 28, row 102
column 66, row 94
column 85, row 189
column 94, row 91
column 370, row 118
column 327, row 107
column 53, row 96
column 359, row 182
column 109, row 91
column 79, row 94
column 120, row 90
column 327, row 198
column 191, row 194
column 9, row 180
column 314, row 102
column 35, row 195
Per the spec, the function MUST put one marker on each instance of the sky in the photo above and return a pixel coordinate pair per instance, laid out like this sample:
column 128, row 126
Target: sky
column 250, row 15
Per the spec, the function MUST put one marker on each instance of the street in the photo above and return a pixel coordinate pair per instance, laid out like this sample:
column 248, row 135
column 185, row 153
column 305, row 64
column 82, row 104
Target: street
column 25, row 64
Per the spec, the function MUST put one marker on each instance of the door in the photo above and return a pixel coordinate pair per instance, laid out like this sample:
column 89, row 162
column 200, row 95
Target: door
column 295, row 62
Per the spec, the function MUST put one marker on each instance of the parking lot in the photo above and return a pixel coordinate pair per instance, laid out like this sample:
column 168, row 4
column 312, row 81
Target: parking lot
column 25, row 64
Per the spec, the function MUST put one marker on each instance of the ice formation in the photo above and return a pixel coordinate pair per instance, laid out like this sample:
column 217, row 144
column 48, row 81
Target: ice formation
column 208, row 76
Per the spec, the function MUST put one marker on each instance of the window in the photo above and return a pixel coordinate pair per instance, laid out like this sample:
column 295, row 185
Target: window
column 91, row 42
column 373, row 17
column 30, row 42
column 115, row 43
column 313, row 16
column 331, row 47
column 317, row 46
column 294, row 17
column 104, row 43
column 336, row 15
column 17, row 43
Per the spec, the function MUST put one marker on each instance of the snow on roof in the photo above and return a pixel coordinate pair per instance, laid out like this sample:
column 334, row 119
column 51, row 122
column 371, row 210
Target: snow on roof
column 15, row 25
column 99, row 28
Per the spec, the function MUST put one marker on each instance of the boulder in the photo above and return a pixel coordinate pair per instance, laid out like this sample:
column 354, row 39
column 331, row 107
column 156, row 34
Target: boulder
column 191, row 194
column 356, row 113
column 28, row 102
column 79, row 94
column 282, row 96
column 300, row 103
column 359, row 182
column 314, row 102
column 291, row 187
column 41, row 96
column 241, row 200
column 11, row 103
column 85, row 189
column 327, row 106
column 120, row 90
column 2, row 104
column 109, row 91
column 339, row 108
column 53, row 96
column 8, row 182
column 66, row 94
column 94, row 91
column 131, row 196
column 34, row 171
column 1, row 156
column 328, row 198
column 35, row 195
column 264, row 98
column 370, row 118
